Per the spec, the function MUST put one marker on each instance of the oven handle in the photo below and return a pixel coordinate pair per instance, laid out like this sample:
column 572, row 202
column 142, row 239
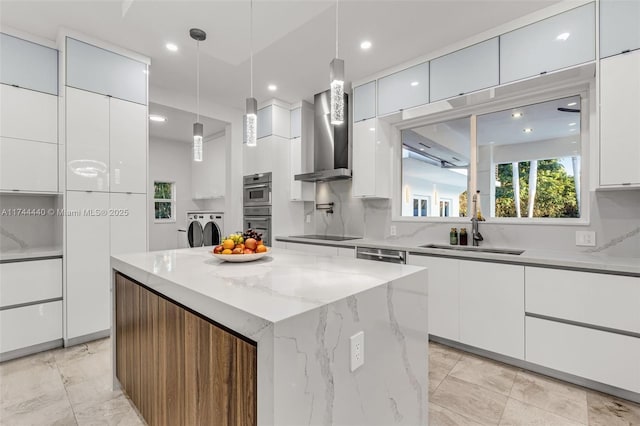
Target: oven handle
column 384, row 256
column 258, row 185
column 257, row 219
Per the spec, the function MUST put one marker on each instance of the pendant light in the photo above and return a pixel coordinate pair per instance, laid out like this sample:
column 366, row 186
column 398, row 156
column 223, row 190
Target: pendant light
column 336, row 77
column 251, row 119
column 198, row 129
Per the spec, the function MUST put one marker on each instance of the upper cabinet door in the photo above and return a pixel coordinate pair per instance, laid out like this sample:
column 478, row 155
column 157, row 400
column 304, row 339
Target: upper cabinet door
column 87, row 141
column 26, row 114
column 28, row 65
column 101, row 71
column 296, row 123
column 364, row 102
column 404, row 89
column 619, row 26
column 473, row 68
column 128, row 142
column 265, row 122
column 558, row 42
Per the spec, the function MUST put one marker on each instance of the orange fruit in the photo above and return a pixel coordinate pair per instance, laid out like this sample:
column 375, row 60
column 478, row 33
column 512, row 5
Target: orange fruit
column 250, row 243
column 226, row 251
column 228, row 244
column 241, row 246
column 261, row 249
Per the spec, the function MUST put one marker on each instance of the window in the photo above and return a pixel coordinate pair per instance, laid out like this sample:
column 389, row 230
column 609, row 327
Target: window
column 445, row 207
column 421, row 205
column 164, row 201
column 529, row 160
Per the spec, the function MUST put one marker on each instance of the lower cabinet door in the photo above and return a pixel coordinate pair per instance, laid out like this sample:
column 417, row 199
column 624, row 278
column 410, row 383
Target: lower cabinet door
column 30, row 325
column 128, row 217
column 346, row 252
column 88, row 265
column 444, row 295
column 313, row 249
column 492, row 307
column 604, row 357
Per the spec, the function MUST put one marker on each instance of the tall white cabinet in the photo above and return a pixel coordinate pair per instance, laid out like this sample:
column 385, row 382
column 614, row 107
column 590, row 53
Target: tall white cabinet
column 106, row 153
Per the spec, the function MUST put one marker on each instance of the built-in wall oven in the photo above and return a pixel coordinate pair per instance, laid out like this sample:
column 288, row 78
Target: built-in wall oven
column 257, row 190
column 257, row 205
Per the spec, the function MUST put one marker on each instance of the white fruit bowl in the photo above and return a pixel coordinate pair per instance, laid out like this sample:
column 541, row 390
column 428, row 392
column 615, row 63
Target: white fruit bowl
column 240, row 258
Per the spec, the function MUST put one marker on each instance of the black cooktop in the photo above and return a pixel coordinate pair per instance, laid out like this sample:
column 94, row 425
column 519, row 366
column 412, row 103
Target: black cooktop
column 326, row 237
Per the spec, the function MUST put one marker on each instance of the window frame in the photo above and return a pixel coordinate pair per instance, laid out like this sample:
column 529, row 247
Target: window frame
column 588, row 143
column 171, row 200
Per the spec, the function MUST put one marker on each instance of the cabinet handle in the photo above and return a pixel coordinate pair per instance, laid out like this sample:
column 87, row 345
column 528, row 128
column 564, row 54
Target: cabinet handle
column 15, row 190
column 89, row 192
column 626, row 51
column 543, row 73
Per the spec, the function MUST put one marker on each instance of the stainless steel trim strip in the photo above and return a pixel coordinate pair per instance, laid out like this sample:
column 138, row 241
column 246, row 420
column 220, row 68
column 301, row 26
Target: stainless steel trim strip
column 385, row 256
column 29, row 259
column 22, row 305
column 584, row 325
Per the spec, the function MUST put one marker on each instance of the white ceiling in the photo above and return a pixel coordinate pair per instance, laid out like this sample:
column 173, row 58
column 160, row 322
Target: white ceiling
column 179, row 124
column 293, row 40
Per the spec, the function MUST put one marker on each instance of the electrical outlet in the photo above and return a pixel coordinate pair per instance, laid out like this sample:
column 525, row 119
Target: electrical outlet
column 357, row 350
column 586, row 238
column 393, row 231
column 308, row 218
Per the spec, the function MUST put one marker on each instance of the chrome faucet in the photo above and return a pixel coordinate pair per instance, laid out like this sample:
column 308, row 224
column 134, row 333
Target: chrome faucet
column 476, row 236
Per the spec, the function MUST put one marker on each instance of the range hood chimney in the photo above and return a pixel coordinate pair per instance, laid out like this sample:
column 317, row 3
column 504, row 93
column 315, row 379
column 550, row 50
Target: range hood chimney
column 331, row 143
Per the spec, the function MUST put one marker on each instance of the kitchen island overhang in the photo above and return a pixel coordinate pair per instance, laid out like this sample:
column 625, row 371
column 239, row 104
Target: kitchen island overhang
column 301, row 311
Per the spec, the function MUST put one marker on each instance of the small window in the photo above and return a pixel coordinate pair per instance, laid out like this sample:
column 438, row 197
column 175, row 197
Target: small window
column 421, row 206
column 164, row 201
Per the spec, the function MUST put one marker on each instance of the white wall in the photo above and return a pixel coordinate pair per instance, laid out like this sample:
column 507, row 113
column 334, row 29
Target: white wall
column 170, row 161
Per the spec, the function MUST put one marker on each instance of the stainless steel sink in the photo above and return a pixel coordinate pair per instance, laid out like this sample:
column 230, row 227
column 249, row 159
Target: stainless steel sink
column 472, row 248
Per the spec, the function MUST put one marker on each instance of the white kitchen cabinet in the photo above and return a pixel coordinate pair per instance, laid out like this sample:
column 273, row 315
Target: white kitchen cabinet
column 467, row 70
column 444, row 294
column 364, row 102
column 28, row 65
column 608, row 358
column 492, row 307
column 101, row 71
column 208, row 177
column 30, row 325
column 372, row 159
column 603, row 300
column 87, row 144
column 88, row 270
column 300, row 153
column 26, row 114
column 127, row 146
column 274, row 120
column 346, row 252
column 296, row 123
column 313, row 249
column 128, row 223
column 28, row 166
column 619, row 26
column 265, row 122
column 554, row 43
column 404, row 89
column 30, row 281
column 619, row 123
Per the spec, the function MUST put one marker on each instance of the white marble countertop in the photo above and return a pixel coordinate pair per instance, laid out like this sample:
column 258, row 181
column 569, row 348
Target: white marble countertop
column 30, row 253
column 276, row 287
column 596, row 262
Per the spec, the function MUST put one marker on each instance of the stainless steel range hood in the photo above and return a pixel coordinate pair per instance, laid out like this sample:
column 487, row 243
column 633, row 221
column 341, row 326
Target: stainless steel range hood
column 331, row 143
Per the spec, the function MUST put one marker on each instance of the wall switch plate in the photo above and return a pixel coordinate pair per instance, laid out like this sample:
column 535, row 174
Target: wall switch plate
column 586, row 238
column 308, row 218
column 357, row 350
column 393, row 231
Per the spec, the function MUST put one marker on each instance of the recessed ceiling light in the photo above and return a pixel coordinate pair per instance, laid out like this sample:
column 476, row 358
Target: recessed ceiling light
column 157, row 118
column 171, row 47
column 373, row 129
column 572, row 124
column 528, row 130
column 516, row 114
column 145, row 71
column 272, row 87
column 572, row 130
column 365, row 45
column 492, row 142
column 421, row 149
column 415, row 83
column 572, row 104
column 563, row 36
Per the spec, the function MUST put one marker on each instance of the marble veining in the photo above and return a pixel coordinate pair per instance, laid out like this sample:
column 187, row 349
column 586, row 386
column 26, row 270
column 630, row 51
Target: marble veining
column 614, row 242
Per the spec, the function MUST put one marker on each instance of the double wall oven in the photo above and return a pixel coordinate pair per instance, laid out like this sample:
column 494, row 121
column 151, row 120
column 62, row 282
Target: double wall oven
column 257, row 204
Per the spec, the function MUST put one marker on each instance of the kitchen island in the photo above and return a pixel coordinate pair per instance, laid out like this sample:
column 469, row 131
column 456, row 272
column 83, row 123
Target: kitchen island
column 202, row 341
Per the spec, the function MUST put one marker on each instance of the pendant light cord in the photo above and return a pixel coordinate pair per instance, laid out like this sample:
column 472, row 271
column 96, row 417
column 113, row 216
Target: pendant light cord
column 251, row 43
column 198, row 82
column 336, row 28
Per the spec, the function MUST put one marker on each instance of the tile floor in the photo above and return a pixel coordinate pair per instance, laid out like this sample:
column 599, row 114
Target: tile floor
column 72, row 386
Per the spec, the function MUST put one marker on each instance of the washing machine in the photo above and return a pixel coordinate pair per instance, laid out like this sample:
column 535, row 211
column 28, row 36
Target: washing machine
column 205, row 228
